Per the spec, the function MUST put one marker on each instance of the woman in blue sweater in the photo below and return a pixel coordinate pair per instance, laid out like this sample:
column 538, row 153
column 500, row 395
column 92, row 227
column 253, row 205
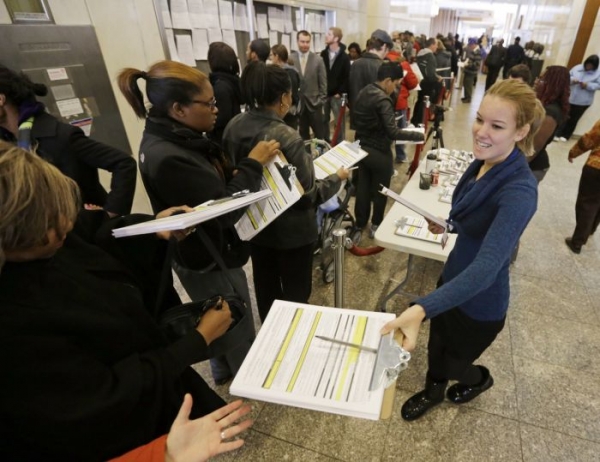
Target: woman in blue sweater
column 491, row 206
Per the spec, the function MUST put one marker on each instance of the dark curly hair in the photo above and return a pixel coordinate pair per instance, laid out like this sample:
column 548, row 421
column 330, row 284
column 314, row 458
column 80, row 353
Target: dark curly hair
column 18, row 88
column 554, row 87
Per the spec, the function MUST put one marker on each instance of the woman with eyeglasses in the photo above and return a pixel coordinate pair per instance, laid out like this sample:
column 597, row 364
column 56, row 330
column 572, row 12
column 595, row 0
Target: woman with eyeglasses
column 180, row 165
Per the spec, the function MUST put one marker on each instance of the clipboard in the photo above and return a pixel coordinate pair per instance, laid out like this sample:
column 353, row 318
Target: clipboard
column 279, row 178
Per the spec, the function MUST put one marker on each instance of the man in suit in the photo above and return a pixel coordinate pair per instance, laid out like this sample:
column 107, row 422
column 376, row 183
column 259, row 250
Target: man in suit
column 313, row 87
column 337, row 65
column 514, row 55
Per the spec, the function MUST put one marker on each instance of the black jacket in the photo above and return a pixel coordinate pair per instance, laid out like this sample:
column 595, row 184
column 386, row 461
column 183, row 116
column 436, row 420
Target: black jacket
column 362, row 73
column 87, row 373
column 375, row 120
column 228, row 93
column 297, row 226
column 339, row 73
column 181, row 167
column 80, row 157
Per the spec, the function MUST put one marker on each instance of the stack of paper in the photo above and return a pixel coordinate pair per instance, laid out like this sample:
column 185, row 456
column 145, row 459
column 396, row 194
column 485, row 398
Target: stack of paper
column 416, row 227
column 345, row 154
column 202, row 213
column 288, row 365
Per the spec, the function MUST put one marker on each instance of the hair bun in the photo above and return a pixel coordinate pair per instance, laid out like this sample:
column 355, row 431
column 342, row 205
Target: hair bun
column 39, row 89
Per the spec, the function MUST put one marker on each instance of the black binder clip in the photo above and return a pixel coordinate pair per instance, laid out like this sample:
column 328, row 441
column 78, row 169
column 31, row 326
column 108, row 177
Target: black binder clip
column 286, row 171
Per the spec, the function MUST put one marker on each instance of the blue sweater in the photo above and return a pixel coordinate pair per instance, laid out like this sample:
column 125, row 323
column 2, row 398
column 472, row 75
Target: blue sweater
column 489, row 215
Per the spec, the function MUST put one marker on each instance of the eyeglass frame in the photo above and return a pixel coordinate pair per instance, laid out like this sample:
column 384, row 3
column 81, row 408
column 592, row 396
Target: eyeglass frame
column 212, row 104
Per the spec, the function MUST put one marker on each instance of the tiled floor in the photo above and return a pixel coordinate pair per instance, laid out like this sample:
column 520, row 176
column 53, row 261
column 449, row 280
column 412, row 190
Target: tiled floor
column 545, row 404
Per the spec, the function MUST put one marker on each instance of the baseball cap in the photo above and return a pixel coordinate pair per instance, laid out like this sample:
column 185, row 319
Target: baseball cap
column 382, row 35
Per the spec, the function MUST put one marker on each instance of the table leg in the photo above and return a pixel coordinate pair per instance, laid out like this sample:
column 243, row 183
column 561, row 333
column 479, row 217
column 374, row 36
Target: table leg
column 398, row 290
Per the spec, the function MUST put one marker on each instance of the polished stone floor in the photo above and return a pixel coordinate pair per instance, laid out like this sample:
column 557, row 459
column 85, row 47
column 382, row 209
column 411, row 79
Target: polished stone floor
column 545, row 404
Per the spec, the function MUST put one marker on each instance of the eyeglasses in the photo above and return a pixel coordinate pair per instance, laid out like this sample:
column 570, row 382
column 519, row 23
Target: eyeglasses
column 212, row 104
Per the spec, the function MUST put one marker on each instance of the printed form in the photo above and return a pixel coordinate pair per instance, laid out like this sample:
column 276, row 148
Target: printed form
column 288, row 364
column 345, row 154
column 279, row 178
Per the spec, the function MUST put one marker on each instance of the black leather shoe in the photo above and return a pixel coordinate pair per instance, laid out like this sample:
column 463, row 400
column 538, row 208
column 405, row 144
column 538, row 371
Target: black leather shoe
column 419, row 404
column 570, row 245
column 460, row 393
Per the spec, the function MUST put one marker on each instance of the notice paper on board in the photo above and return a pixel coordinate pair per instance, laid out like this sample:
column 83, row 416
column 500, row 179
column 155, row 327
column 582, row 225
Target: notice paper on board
column 288, row 364
column 280, row 179
column 345, row 154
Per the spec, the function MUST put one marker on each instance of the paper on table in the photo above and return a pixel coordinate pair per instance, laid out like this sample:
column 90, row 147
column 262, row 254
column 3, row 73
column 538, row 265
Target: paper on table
column 416, row 228
column 200, row 43
column 288, row 365
column 414, row 129
column 437, row 220
column 180, row 15
column 202, row 213
column 285, row 194
column 226, row 14
column 185, row 49
column 345, row 154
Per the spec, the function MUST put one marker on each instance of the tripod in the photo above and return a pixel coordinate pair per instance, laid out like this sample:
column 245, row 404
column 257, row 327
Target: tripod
column 436, row 130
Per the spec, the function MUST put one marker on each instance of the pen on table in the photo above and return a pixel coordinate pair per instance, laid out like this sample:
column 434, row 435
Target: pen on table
column 352, row 168
column 348, row 344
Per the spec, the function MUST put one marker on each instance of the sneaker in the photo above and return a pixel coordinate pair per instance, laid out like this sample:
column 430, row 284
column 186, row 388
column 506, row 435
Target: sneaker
column 400, row 161
column 562, row 139
column 395, row 173
column 372, row 231
column 556, row 138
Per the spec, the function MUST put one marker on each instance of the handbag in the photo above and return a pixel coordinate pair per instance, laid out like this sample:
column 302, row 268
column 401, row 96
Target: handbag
column 207, row 288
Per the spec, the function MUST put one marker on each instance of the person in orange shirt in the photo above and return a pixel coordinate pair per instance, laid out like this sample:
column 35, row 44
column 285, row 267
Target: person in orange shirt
column 409, row 82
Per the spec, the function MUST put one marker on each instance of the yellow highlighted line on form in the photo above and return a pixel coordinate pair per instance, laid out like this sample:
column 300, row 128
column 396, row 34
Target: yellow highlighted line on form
column 273, row 186
column 352, row 358
column 252, row 219
column 283, row 350
column 311, row 335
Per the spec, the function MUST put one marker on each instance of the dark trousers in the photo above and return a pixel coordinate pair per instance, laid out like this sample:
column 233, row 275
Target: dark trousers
column 575, row 113
column 455, row 343
column 427, row 89
column 469, row 83
column 284, row 274
column 375, row 169
column 492, row 76
column 401, row 123
column 587, row 207
column 312, row 119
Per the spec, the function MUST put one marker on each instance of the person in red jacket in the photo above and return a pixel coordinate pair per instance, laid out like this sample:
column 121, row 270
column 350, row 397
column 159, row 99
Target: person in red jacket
column 409, row 82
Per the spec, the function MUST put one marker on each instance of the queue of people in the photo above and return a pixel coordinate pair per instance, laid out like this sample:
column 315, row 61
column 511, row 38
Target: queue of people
column 78, row 334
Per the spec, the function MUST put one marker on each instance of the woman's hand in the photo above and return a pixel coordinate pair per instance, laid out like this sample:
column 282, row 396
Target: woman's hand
column 434, row 228
column 215, row 322
column 203, row 438
column 409, row 322
column 343, row 173
column 264, row 151
column 178, row 234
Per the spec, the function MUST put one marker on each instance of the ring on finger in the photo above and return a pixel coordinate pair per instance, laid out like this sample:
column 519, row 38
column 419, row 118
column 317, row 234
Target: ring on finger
column 223, row 435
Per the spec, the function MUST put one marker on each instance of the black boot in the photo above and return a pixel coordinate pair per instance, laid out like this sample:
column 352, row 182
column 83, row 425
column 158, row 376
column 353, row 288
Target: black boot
column 420, row 403
column 460, row 393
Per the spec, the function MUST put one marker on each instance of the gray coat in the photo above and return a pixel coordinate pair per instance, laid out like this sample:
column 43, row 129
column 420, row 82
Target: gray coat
column 313, row 83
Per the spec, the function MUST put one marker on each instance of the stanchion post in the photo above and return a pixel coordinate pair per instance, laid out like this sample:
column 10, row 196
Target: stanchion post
column 339, row 238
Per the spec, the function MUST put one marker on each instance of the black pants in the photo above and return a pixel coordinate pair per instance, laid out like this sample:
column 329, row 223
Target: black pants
column 575, row 113
column 375, row 169
column 427, row 89
column 587, row 207
column 455, row 342
column 312, row 119
column 281, row 274
column 469, row 84
column 492, row 76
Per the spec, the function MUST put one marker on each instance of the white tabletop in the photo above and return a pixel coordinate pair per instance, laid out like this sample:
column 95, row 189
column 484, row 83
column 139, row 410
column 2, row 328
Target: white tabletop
column 427, row 199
